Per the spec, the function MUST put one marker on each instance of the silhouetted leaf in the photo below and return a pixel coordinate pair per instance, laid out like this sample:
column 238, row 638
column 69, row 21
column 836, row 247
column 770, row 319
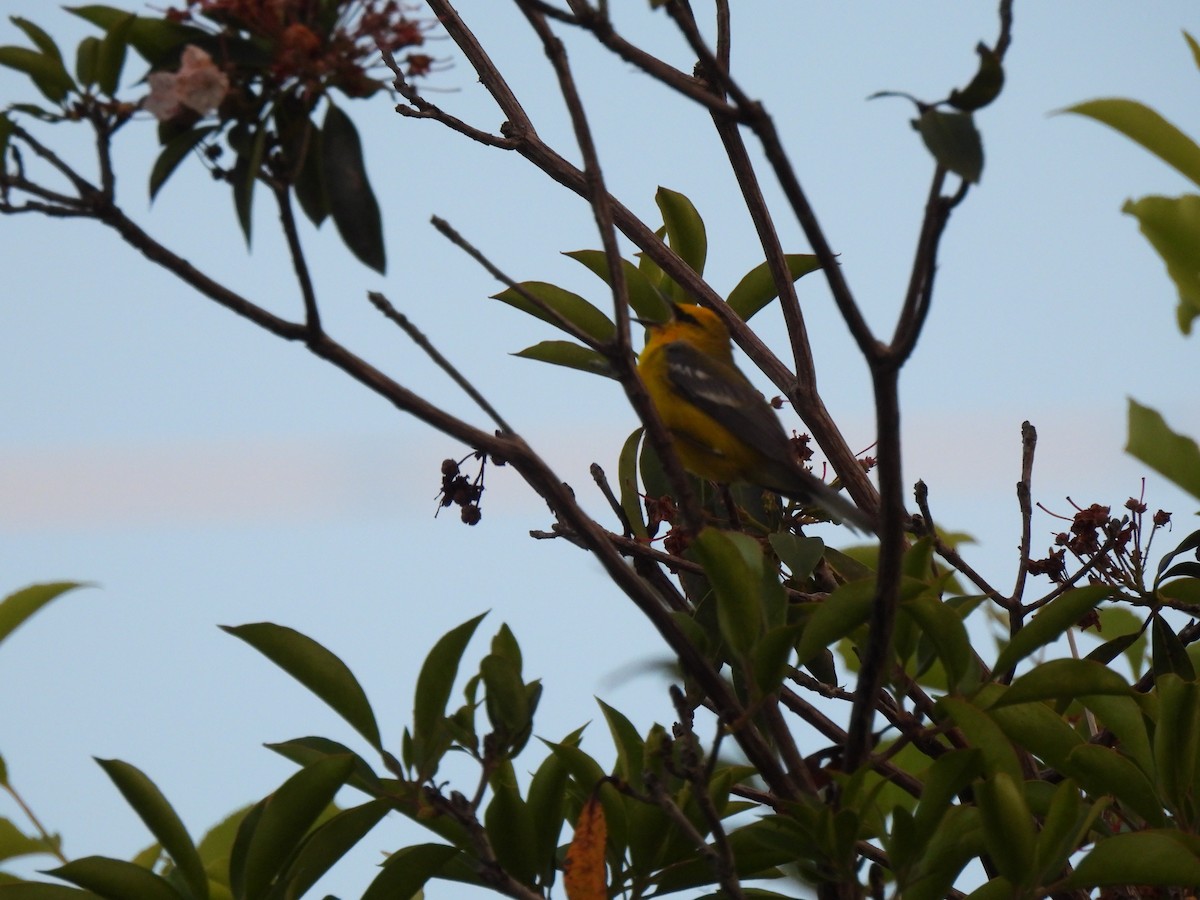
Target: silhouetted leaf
column 757, row 287
column 954, row 142
column 352, row 203
column 570, row 355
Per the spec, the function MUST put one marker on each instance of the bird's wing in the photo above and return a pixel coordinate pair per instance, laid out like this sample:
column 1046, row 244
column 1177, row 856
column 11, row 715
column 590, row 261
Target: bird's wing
column 720, row 391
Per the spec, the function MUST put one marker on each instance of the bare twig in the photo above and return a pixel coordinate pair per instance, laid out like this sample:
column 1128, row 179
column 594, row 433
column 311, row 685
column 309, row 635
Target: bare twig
column 384, row 306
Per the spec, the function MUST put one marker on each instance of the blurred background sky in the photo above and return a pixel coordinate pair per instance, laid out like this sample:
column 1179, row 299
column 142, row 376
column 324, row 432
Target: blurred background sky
column 201, row 472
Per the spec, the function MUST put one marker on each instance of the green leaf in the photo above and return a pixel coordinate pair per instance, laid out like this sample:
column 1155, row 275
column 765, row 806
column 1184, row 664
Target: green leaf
column 757, row 288
column 1061, row 831
column 46, row 71
column 110, row 58
column 644, row 297
column 569, row 355
column 317, row 669
column 115, row 879
column 985, row 86
column 946, row 778
column 1172, row 455
column 19, row 606
column 40, row 38
column 1050, row 623
column 14, row 843
column 1101, row 770
column 942, row 625
column 1195, row 48
column 352, row 203
column 306, row 750
column 509, row 827
column 173, row 154
column 982, row 732
column 1177, row 741
column 1163, row 857
column 245, row 177
column 1008, row 826
column 734, row 565
column 1169, row 653
column 309, row 184
column 798, row 552
column 434, row 686
column 1037, row 728
column 154, row 39
column 86, row 56
column 846, row 609
column 406, row 871
column 579, row 312
column 1172, row 226
column 631, row 501
column 40, row 890
column 546, row 802
column 506, row 701
column 953, row 141
column 329, row 842
column 164, row 823
column 685, row 229
column 1143, row 125
column 286, row 816
column 1064, row 679
column 1124, row 718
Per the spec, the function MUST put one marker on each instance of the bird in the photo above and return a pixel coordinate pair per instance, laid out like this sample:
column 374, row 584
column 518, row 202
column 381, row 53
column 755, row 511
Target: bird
column 721, row 427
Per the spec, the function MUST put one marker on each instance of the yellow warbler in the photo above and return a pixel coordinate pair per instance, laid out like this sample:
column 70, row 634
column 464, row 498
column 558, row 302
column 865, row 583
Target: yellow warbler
column 722, row 428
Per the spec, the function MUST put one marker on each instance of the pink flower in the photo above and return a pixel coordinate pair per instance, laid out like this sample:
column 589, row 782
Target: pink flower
column 198, row 85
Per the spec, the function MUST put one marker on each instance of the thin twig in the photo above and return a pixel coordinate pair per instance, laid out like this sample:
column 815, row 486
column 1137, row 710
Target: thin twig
column 1025, row 501
column 384, row 306
column 548, row 311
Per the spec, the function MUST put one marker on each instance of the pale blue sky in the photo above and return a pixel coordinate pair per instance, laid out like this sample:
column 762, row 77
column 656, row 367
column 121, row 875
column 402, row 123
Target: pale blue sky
column 201, row 472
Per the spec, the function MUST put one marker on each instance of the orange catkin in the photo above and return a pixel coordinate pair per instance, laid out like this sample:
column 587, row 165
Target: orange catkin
column 583, row 870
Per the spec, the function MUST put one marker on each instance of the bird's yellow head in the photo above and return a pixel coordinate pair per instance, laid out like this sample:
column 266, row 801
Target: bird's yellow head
column 695, row 325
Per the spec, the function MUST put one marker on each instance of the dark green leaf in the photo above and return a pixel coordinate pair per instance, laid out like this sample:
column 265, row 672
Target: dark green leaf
column 86, row 56
column 685, row 229
column 164, row 823
column 579, row 312
column 19, row 606
column 317, row 669
column 570, row 355
column 40, row 38
column 40, row 890
column 155, row 39
column 1051, row 622
column 847, row 608
column 1172, row 226
column 1142, row 124
column 506, row 701
column 14, row 843
column 1169, row 653
column 245, row 177
column 1101, row 770
column 1037, row 728
column 406, row 871
column 173, row 154
column 546, row 804
column 114, row 879
column 1173, row 455
column 1194, row 47
column 734, row 565
column 46, row 71
column 953, row 141
column 1008, row 826
column 982, row 732
column 1064, row 679
column 627, row 742
column 631, row 501
column 941, row 625
column 110, row 59
column 950, row 773
column 798, row 552
column 329, row 842
column 286, row 817
column 644, row 298
column 434, row 686
column 985, row 86
column 306, row 750
column 352, row 203
column 1177, row 740
column 757, row 288
column 309, row 184
column 1154, row 857
column 509, row 827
